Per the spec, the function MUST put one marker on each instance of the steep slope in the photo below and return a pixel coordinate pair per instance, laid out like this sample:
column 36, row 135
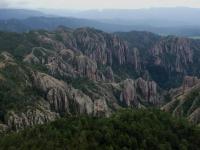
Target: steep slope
column 167, row 59
column 87, row 71
column 163, row 59
column 185, row 100
column 40, row 98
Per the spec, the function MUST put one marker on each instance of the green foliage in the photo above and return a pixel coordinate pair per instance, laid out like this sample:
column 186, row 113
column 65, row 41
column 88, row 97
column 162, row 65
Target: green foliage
column 84, row 84
column 127, row 129
column 58, row 37
column 124, row 71
column 15, row 91
column 9, row 41
column 164, row 77
column 39, row 67
column 16, row 44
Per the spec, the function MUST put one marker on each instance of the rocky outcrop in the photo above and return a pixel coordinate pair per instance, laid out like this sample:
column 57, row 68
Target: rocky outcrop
column 101, row 47
column 139, row 92
column 133, row 58
column 86, row 71
column 6, row 59
column 62, row 98
column 106, row 49
column 84, row 104
column 108, row 74
column 190, row 81
column 65, row 63
column 39, row 55
column 86, row 67
column 128, row 94
column 149, row 91
column 194, row 117
column 3, row 129
column 185, row 100
column 82, row 52
column 172, row 53
column 39, row 114
column 101, row 108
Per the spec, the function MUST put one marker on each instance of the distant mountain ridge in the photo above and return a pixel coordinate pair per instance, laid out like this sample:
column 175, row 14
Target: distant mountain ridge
column 6, row 14
column 160, row 17
column 51, row 23
column 17, row 20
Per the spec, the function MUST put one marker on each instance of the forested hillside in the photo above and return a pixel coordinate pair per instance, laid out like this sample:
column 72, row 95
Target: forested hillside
column 128, row 129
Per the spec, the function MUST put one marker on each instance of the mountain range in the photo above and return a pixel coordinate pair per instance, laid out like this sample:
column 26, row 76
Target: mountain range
column 45, row 75
column 163, row 21
column 71, row 83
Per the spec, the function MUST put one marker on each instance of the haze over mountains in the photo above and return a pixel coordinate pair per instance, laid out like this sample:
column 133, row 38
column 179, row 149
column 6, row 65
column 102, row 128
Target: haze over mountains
column 163, row 21
column 86, row 80
column 177, row 16
column 6, row 14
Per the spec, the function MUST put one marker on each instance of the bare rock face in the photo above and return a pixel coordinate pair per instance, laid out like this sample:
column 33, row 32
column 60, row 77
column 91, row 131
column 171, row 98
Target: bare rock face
column 133, row 57
column 174, row 54
column 83, row 102
column 3, row 128
column 32, row 116
column 93, row 55
column 128, row 94
column 60, row 64
column 7, row 59
column 62, row 97
column 190, row 81
column 194, row 117
column 101, row 108
column 65, row 63
column 38, row 55
column 58, row 99
column 139, row 92
column 148, row 90
column 86, row 67
column 79, row 52
column 104, row 48
column 109, row 75
column 185, row 100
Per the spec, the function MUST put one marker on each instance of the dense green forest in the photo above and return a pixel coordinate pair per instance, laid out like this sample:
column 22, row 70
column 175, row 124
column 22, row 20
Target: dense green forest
column 127, row 129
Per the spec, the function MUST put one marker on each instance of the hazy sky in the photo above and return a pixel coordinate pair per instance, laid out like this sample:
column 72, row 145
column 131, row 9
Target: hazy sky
column 97, row 4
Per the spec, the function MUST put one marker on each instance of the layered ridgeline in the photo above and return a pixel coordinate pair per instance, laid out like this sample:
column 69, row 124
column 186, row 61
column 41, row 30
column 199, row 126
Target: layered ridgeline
column 48, row 75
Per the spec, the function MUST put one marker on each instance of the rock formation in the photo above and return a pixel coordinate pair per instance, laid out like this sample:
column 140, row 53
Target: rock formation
column 139, row 92
column 185, row 100
column 87, row 71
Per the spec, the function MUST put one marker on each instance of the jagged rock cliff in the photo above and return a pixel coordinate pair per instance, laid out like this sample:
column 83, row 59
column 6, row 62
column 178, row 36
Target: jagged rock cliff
column 62, row 98
column 139, row 92
column 85, row 51
column 101, row 47
column 39, row 114
column 47, row 75
column 185, row 100
column 55, row 98
column 172, row 53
